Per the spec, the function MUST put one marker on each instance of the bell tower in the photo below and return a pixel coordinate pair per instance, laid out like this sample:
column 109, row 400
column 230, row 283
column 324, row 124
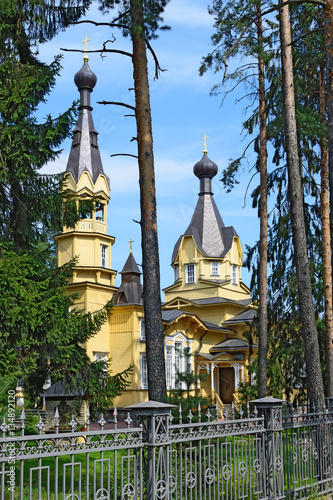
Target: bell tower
column 87, row 185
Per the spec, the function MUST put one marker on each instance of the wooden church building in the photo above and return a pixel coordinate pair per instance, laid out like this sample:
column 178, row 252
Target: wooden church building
column 207, row 308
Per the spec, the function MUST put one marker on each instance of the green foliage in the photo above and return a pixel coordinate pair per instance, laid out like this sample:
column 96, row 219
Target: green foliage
column 235, row 35
column 30, row 203
column 152, row 10
column 100, row 386
column 42, row 333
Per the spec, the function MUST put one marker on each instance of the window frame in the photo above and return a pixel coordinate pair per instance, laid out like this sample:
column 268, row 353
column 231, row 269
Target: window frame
column 142, row 329
column 143, row 371
column 175, row 355
column 104, row 256
column 189, row 275
column 215, row 263
column 234, row 274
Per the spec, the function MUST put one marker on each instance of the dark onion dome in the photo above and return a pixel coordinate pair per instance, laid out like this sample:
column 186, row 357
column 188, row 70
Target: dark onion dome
column 85, row 78
column 205, row 167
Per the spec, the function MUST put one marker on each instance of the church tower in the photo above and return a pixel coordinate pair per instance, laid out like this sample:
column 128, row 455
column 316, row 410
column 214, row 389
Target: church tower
column 207, row 258
column 85, row 180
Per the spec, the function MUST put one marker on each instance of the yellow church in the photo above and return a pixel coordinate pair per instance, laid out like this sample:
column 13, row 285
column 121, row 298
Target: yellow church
column 207, row 308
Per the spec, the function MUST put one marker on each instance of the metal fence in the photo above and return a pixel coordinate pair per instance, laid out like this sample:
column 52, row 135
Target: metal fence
column 272, row 452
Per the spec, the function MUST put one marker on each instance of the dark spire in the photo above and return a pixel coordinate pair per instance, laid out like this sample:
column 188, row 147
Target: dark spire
column 130, row 290
column 84, row 154
column 206, row 226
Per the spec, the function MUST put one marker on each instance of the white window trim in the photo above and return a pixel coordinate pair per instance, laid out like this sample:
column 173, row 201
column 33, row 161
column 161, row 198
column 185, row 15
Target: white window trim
column 212, row 264
column 234, row 274
column 104, row 256
column 171, row 358
column 143, row 371
column 187, row 281
column 142, row 329
column 176, row 270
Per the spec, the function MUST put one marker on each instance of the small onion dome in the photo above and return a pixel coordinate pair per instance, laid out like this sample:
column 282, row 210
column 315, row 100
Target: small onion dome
column 205, row 167
column 85, row 78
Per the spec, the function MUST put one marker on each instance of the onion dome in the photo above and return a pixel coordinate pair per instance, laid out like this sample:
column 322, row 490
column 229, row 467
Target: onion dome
column 85, row 78
column 205, row 168
column 84, row 155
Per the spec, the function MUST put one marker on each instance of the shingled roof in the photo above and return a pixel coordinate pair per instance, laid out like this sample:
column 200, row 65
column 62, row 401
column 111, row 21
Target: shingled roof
column 84, row 154
column 207, row 228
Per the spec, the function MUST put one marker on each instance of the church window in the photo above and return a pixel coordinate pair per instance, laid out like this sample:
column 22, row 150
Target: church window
column 214, row 268
column 177, row 361
column 234, row 274
column 168, row 365
column 101, row 356
column 189, row 273
column 144, row 371
column 104, row 250
column 176, row 270
column 142, row 330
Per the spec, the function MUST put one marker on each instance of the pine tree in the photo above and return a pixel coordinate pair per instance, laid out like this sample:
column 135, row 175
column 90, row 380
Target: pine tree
column 29, row 202
column 140, row 19
column 43, row 334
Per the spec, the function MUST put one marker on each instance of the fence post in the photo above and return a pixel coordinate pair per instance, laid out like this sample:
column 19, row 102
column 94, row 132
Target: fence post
column 271, row 409
column 154, row 418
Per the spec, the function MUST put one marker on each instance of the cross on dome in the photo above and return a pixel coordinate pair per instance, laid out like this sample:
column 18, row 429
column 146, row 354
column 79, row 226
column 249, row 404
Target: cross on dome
column 86, row 40
column 204, row 138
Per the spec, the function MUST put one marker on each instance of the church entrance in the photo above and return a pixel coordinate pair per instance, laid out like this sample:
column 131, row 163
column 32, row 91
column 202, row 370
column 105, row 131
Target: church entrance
column 226, row 384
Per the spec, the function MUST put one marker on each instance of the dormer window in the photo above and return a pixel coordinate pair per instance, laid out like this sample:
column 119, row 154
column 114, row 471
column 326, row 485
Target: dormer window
column 214, row 268
column 234, row 274
column 93, row 138
column 189, row 274
column 76, row 137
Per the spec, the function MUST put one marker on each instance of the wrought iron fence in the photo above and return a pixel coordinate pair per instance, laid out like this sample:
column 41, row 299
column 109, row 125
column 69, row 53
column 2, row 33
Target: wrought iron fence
column 273, row 452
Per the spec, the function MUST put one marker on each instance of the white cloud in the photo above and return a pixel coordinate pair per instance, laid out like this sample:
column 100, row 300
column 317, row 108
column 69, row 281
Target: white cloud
column 183, row 12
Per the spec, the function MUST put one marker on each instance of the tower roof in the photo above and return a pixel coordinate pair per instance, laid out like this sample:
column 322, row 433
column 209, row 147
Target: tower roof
column 84, row 154
column 207, row 228
column 130, row 290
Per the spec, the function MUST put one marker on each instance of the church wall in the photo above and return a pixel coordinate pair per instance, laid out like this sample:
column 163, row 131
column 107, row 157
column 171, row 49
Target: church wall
column 65, row 250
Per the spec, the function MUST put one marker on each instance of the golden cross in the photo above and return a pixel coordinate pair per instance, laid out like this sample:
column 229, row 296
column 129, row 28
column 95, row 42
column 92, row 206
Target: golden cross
column 204, row 138
column 86, row 47
column 130, row 242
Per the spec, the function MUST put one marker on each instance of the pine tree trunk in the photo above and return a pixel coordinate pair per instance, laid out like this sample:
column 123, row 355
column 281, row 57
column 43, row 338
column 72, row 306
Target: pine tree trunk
column 309, row 330
column 328, row 28
column 150, row 256
column 326, row 240
column 262, row 355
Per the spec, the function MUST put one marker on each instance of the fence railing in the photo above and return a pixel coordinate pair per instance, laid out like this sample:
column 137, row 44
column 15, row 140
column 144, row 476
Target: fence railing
column 274, row 451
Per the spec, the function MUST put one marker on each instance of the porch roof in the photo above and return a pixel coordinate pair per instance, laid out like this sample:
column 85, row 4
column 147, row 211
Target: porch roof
column 232, row 345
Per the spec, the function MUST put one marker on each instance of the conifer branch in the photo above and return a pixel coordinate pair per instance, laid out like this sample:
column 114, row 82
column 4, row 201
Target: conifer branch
column 274, row 8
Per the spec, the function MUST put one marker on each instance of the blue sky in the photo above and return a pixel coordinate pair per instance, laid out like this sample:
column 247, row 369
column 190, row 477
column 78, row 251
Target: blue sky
column 182, row 112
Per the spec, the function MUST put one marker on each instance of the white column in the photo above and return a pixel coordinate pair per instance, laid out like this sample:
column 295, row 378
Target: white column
column 237, row 367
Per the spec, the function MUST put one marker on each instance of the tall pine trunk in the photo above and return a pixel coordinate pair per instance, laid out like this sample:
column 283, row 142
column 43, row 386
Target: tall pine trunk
column 262, row 284
column 309, row 330
column 328, row 28
column 326, row 239
column 150, row 256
